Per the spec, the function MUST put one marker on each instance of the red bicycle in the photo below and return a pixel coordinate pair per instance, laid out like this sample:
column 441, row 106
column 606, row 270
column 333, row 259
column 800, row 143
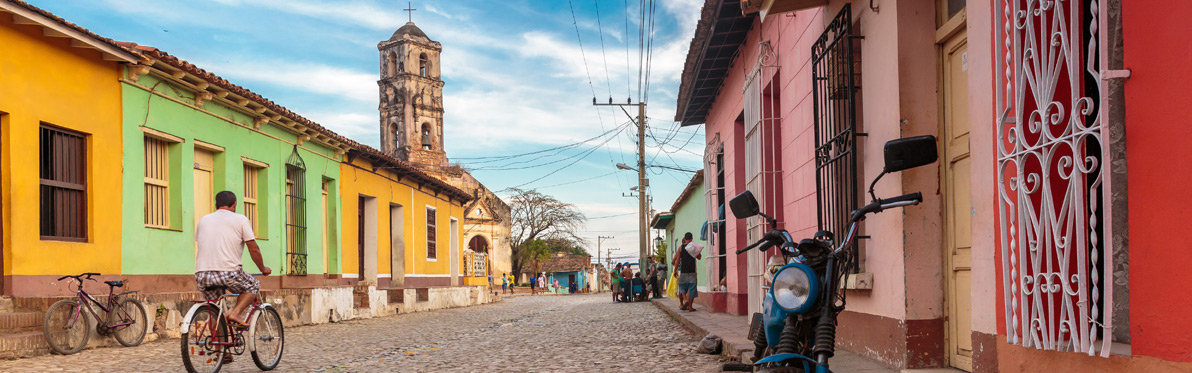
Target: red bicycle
column 67, row 327
column 207, row 338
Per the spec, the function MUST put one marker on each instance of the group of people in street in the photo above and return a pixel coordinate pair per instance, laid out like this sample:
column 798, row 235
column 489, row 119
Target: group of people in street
column 629, row 286
column 540, row 284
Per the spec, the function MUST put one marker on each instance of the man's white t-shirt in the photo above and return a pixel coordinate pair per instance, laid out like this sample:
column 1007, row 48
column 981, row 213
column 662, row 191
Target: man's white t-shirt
column 221, row 236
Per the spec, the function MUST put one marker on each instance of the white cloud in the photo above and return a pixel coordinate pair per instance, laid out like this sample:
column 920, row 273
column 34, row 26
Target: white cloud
column 310, row 77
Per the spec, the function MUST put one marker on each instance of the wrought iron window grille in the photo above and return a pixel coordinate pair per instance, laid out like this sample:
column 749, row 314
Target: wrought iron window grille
column 1053, row 175
column 835, row 84
column 296, row 213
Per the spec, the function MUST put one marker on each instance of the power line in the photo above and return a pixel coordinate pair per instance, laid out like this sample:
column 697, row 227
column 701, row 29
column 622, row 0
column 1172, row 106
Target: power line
column 578, row 181
column 496, row 158
column 600, row 31
column 585, row 155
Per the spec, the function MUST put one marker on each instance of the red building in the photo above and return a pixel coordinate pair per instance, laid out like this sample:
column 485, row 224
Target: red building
column 1049, row 237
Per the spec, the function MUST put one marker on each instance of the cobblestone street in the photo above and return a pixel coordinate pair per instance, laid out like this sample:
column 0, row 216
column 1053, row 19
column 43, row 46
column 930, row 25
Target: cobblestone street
column 525, row 333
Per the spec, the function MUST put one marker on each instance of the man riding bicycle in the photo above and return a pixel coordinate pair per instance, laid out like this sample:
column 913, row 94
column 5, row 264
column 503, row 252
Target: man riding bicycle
column 221, row 237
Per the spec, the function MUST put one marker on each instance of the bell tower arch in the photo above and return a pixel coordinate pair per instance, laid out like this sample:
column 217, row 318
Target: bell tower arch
column 411, row 97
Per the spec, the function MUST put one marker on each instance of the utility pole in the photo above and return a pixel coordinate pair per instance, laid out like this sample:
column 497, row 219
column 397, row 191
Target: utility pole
column 642, row 182
column 599, row 286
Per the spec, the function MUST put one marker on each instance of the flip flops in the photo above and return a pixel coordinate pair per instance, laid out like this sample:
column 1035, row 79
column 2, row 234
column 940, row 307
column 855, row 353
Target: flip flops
column 237, row 324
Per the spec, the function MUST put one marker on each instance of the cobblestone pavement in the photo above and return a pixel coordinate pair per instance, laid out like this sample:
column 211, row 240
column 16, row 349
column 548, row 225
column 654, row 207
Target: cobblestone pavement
column 532, row 333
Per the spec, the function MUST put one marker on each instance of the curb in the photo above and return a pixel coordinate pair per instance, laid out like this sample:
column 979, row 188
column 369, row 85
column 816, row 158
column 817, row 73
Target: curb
column 734, row 351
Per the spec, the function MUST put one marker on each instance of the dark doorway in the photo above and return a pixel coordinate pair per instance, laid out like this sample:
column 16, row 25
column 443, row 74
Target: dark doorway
column 360, row 221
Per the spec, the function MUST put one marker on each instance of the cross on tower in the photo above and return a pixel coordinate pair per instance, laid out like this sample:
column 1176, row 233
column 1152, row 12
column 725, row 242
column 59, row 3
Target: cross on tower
column 410, row 11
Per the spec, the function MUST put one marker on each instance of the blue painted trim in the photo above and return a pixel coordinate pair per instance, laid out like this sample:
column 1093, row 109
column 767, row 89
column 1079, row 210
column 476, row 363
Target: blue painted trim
column 812, row 295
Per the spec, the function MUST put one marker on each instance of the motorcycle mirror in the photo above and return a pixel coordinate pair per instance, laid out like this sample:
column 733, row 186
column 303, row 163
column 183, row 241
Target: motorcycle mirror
column 744, row 205
column 910, row 152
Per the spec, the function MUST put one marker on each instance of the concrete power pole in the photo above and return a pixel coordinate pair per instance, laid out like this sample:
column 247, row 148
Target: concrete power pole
column 599, row 285
column 642, row 182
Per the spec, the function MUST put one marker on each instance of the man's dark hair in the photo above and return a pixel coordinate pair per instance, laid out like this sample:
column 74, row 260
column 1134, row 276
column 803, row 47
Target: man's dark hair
column 225, row 199
column 687, row 236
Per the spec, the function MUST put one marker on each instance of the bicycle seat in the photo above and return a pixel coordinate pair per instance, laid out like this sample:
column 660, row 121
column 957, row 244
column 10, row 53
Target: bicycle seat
column 117, row 283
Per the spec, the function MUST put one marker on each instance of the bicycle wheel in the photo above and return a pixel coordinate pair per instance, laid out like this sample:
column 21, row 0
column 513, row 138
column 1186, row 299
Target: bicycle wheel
column 130, row 312
column 67, row 327
column 198, row 354
column 270, row 338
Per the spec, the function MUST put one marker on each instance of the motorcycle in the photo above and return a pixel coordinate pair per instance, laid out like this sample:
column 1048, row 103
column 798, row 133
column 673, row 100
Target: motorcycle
column 796, row 330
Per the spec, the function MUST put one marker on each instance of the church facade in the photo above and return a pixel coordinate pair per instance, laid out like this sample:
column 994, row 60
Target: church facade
column 411, row 125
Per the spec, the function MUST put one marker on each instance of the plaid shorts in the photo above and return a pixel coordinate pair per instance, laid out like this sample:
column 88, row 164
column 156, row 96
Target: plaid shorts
column 237, row 282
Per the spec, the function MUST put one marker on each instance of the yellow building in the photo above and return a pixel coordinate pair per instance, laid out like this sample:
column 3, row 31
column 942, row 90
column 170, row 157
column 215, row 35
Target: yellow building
column 60, row 150
column 401, row 227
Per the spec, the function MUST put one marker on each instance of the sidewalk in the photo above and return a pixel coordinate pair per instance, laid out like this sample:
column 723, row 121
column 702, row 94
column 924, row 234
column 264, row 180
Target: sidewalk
column 733, row 330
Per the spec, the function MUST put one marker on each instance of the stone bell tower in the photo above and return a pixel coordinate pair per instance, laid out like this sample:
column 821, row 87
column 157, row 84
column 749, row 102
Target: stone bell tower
column 411, row 93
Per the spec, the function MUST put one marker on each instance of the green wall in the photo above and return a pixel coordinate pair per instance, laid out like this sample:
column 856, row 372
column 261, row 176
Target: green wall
column 690, row 217
column 171, row 251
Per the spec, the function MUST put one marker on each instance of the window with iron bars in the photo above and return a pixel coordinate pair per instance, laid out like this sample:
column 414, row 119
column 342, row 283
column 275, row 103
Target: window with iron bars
column 835, row 85
column 763, row 159
column 296, row 213
column 1059, row 191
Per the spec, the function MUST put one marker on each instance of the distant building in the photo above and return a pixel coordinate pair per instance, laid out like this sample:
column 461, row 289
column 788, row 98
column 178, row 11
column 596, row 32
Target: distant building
column 566, row 268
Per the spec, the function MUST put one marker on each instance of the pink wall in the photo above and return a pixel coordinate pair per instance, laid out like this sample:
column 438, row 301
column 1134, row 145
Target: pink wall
column 982, row 117
column 898, row 92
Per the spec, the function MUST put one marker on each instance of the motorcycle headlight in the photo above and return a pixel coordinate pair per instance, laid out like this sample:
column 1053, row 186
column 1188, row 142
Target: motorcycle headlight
column 795, row 287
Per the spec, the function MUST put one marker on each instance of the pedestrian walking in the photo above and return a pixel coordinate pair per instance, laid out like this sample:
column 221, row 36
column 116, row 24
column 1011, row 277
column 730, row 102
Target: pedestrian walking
column 542, row 282
column 534, row 284
column 684, row 262
column 504, row 284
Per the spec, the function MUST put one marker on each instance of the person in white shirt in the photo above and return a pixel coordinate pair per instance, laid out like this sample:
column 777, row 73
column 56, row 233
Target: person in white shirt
column 221, row 237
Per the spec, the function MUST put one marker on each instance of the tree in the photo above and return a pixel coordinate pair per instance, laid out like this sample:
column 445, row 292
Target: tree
column 536, row 216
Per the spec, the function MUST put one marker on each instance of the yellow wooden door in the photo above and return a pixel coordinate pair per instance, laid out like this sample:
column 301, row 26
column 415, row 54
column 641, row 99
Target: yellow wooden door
column 324, row 226
column 958, row 204
column 204, row 195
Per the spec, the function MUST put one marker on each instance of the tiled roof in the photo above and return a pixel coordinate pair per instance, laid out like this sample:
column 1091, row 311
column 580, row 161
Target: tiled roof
column 150, row 54
column 566, row 263
column 379, row 159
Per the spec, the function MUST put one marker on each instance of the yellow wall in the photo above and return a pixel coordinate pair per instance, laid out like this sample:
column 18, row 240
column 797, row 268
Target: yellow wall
column 43, row 79
column 357, row 179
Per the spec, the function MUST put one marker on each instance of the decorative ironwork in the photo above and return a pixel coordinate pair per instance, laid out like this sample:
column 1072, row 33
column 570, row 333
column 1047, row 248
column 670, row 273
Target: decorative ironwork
column 1050, row 186
column 714, row 197
column 296, row 213
column 763, row 157
column 834, row 90
column 479, row 264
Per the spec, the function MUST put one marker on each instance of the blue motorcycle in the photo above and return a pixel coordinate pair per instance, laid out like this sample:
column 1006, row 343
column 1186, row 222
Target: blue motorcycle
column 796, row 330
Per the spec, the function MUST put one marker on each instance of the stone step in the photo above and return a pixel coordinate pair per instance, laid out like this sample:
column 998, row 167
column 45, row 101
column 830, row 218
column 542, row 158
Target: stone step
column 23, row 344
column 19, row 321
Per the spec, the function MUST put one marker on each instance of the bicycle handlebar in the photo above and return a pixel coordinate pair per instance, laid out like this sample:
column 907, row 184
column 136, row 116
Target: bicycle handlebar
column 80, row 276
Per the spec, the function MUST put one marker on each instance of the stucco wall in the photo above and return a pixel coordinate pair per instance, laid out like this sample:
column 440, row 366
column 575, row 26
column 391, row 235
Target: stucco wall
column 46, row 80
column 171, row 251
column 359, row 181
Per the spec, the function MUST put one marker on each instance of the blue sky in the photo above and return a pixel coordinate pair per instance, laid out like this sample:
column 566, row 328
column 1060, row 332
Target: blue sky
column 516, row 80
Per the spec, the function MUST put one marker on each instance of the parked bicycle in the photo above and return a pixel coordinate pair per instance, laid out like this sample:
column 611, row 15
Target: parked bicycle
column 796, row 330
column 208, row 340
column 67, row 327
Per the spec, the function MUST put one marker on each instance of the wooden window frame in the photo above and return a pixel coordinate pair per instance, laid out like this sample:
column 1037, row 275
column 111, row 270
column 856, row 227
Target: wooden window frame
column 432, row 250
column 79, row 159
column 162, row 179
column 252, row 192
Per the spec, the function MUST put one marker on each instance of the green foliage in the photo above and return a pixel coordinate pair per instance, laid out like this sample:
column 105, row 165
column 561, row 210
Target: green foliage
column 660, row 253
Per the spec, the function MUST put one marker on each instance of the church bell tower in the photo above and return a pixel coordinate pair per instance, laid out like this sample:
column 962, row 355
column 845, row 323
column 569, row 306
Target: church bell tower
column 411, row 93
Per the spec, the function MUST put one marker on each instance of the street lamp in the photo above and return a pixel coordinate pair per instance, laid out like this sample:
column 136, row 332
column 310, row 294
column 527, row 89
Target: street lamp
column 658, row 241
column 623, row 166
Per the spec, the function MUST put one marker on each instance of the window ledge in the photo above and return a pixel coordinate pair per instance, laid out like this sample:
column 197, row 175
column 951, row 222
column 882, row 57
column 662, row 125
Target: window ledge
column 859, row 281
column 163, row 228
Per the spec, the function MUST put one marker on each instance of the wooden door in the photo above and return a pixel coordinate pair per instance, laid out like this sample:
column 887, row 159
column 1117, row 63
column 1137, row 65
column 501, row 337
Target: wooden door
column 204, row 185
column 397, row 246
column 958, row 204
column 325, row 221
column 360, row 221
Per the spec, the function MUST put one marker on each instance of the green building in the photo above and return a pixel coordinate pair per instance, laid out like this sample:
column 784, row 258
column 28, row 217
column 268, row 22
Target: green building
column 188, row 134
column 687, row 214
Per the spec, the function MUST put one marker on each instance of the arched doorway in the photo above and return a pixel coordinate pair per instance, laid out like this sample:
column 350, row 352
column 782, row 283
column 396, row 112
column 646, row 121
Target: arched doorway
column 478, row 246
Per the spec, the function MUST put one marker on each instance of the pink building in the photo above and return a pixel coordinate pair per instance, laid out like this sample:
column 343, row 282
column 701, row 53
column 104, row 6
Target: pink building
column 1020, row 257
